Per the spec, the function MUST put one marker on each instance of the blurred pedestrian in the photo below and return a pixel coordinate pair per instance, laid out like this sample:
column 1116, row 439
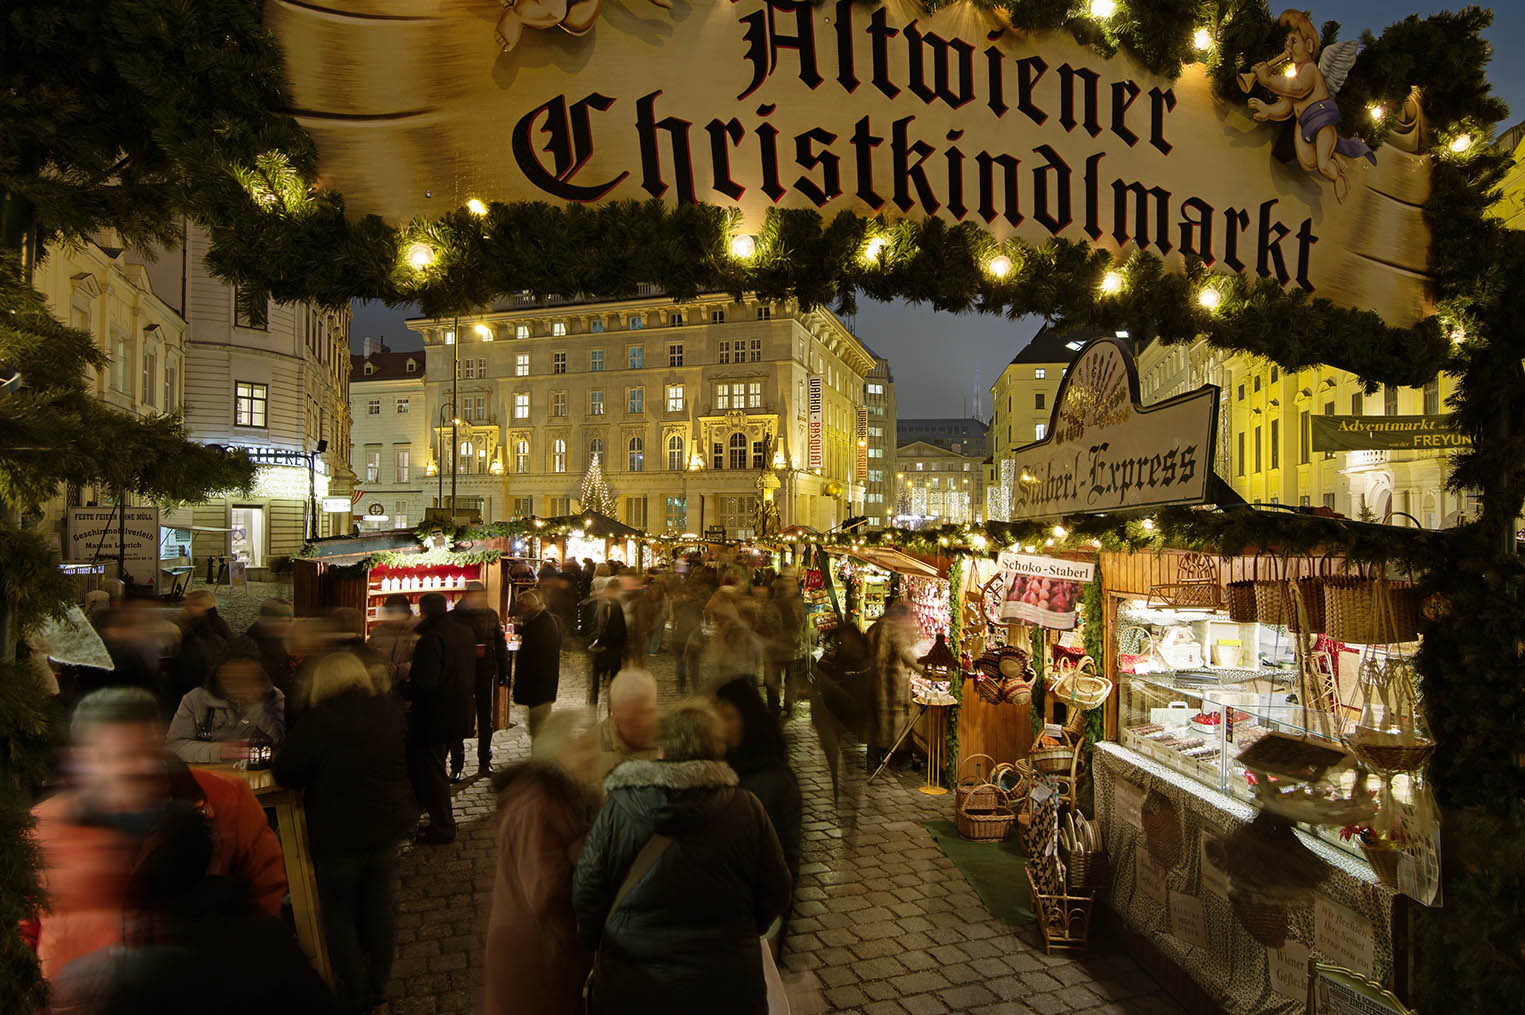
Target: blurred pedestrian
column 203, row 633
column 348, row 751
column 892, row 658
column 491, row 672
column 269, row 632
column 537, row 670
column 680, row 875
column 393, row 637
column 607, row 646
column 440, row 688
column 628, row 733
column 238, row 705
column 121, row 778
column 535, row 964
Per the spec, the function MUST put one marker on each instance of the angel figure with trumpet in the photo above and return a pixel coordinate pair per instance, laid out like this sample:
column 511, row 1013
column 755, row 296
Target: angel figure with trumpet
column 575, row 17
column 1306, row 90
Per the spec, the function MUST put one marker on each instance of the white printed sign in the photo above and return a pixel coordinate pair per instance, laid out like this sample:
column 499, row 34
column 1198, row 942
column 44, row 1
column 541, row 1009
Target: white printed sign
column 1188, row 919
column 1343, row 937
column 1128, row 803
column 98, row 534
column 1149, row 880
column 1289, row 970
column 815, row 442
column 1043, row 590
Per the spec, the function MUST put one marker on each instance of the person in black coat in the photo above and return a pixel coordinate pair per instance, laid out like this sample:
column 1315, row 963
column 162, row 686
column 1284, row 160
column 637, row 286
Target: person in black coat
column 269, row 633
column 755, row 748
column 537, row 670
column 491, row 672
column 686, row 936
column 440, row 688
column 202, row 635
column 608, row 644
column 348, row 751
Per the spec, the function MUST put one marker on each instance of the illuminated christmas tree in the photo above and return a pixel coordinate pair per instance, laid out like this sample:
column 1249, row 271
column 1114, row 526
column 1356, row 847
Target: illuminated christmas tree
column 595, row 494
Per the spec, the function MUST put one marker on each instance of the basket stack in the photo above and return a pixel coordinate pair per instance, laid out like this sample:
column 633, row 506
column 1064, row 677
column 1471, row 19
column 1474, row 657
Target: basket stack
column 982, row 809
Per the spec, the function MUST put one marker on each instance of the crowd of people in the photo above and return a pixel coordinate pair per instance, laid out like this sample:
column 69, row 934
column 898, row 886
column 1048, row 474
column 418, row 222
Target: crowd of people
column 643, row 858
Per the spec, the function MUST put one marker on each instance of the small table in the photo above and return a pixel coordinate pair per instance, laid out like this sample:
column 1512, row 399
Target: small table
column 296, row 853
column 937, row 739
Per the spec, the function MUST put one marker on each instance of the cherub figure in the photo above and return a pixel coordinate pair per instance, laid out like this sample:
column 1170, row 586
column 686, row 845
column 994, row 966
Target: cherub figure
column 575, row 17
column 1307, row 92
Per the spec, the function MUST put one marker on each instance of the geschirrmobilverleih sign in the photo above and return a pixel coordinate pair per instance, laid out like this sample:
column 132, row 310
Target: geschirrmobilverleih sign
column 98, row 533
column 1387, row 433
column 1042, row 590
column 1105, row 452
column 848, row 106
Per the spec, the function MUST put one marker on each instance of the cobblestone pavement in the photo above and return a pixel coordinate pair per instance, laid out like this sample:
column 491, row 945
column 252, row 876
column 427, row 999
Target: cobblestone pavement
column 884, row 923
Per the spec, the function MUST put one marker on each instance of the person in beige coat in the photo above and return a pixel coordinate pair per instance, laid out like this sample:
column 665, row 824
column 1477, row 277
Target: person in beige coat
column 628, row 733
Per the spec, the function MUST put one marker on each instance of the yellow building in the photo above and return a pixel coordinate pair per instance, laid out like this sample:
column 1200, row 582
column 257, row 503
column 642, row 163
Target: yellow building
column 1511, row 202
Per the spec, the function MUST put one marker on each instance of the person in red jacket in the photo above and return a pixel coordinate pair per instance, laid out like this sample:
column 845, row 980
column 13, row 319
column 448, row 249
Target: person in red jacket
column 91, row 834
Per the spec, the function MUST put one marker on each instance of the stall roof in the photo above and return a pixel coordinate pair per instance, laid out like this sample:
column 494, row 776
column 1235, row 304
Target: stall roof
column 365, row 544
column 890, row 559
column 595, row 524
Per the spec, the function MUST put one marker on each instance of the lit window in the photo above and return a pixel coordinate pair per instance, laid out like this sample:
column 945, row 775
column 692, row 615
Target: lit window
column 250, row 404
column 675, row 453
column 372, row 466
column 636, row 324
column 558, row 455
column 522, row 365
column 403, row 405
column 675, row 354
column 875, row 388
column 1039, row 374
column 470, row 369
column 635, row 356
column 754, row 395
column 482, row 368
column 722, row 396
column 402, row 466
column 596, row 403
column 521, row 331
column 522, row 405
column 596, row 325
column 558, row 403
column 558, row 328
column 449, row 338
column 738, row 447
column 635, row 399
column 558, row 362
column 373, row 407
column 635, row 454
column 755, row 348
column 675, row 398
column 595, row 449
column 596, row 360
column 725, row 351
column 521, row 456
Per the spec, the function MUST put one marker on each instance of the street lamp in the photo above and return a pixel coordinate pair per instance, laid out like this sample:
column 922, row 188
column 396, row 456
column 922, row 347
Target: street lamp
column 695, row 464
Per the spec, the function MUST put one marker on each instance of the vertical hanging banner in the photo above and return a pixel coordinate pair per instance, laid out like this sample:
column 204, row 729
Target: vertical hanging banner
column 861, row 470
column 817, row 450
column 847, row 106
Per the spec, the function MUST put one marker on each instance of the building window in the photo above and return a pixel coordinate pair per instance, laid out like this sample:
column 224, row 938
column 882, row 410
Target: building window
column 677, row 513
column 1275, row 373
column 764, row 313
column 759, row 451
column 722, row 397
column 717, row 459
column 522, row 405
column 725, row 352
column 521, row 331
column 522, row 364
column 635, row 356
column 250, row 402
column 596, row 325
column 596, row 360
column 482, row 368
column 150, row 368
column 1258, row 461
column 243, row 312
column 1358, row 404
column 595, row 449
column 1040, row 431
column 558, row 362
column 1038, row 400
column 402, row 466
column 171, row 385
column 558, row 403
column 1040, row 373
column 1241, row 392
column 635, row 512
column 1389, row 400
column 403, row 405
column 468, row 458
column 675, row 354
column 1241, row 453
column 1275, row 443
column 412, row 367
column 675, row 453
column 675, row 319
column 560, row 506
column 372, row 466
column 1432, row 397
column 754, row 350
column 738, row 451
column 1257, row 382
column 1328, row 411
column 635, row 455
column 1329, row 501
column 596, row 402
column 717, row 317
column 558, row 328
column 754, row 394
column 521, row 456
column 876, row 452
column 1304, row 438
column 373, row 407
column 675, row 398
column 524, row 507
column 449, row 337
column 558, row 455
column 635, row 399
column 469, row 369
column 635, row 323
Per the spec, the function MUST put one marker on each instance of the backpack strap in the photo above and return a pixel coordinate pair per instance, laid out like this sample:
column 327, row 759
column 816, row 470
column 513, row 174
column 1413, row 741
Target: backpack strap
column 644, row 860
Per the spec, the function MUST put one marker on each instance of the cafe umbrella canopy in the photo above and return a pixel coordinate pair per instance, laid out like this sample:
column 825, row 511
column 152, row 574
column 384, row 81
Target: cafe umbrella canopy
column 283, row 229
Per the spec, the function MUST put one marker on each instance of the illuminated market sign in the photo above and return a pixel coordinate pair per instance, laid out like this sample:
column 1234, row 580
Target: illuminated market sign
column 846, row 106
column 1387, row 433
column 1103, row 451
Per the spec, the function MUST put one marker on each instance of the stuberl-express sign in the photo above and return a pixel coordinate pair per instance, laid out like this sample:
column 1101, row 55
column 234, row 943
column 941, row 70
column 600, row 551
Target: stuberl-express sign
column 852, row 106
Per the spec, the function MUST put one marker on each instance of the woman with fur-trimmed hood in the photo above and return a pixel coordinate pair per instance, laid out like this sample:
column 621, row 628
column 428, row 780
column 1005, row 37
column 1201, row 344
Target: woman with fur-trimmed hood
column 685, row 935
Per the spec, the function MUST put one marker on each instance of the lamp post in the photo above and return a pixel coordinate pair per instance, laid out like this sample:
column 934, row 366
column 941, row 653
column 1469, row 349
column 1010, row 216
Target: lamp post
column 312, row 489
column 695, row 464
column 455, row 418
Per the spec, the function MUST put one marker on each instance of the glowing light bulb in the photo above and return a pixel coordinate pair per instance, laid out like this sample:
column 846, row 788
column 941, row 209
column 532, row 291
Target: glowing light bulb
column 1458, row 335
column 1291, row 71
column 1103, row 9
column 1060, row 532
column 1460, row 143
column 1029, row 549
column 420, row 255
column 873, row 248
column 1148, row 524
column 1375, row 111
column 476, row 207
column 744, row 246
column 999, row 266
column 1112, row 283
column 1203, row 39
column 1210, row 298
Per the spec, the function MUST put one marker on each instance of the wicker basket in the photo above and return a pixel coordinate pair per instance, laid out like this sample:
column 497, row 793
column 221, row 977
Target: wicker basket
column 1309, row 589
column 1087, row 870
column 984, row 824
column 1384, row 862
column 963, row 789
column 1263, row 920
column 1063, row 918
column 1273, row 597
column 1241, row 596
column 1080, row 686
column 1353, row 614
column 1053, row 760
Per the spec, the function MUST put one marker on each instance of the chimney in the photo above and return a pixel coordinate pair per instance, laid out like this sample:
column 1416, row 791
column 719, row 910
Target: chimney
column 371, row 346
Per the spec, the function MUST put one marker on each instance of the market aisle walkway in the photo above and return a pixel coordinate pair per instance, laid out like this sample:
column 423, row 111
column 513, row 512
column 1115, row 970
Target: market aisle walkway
column 884, row 920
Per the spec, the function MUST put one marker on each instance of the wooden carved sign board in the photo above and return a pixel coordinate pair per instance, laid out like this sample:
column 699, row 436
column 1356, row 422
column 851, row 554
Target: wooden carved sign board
column 418, row 105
